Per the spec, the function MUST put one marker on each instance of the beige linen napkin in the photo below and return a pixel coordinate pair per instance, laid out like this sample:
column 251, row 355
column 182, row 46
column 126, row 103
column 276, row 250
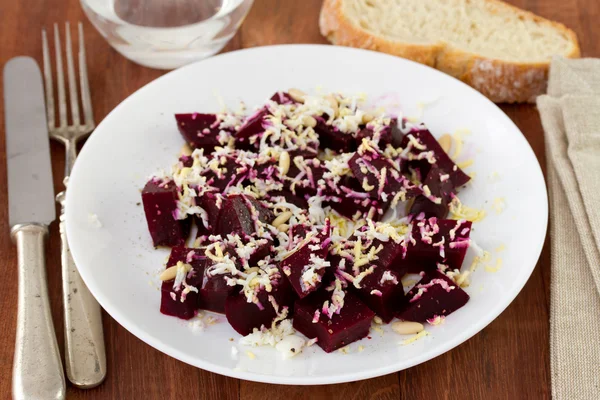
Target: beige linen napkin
column 571, row 118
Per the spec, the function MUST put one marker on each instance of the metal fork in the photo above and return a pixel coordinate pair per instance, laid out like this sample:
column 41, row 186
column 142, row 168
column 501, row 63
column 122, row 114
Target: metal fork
column 85, row 355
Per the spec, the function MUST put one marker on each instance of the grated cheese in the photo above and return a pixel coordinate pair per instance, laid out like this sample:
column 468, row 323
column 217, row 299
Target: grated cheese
column 460, row 211
column 415, row 338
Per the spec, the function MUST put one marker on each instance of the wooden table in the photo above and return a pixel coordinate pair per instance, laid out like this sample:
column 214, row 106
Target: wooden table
column 507, row 360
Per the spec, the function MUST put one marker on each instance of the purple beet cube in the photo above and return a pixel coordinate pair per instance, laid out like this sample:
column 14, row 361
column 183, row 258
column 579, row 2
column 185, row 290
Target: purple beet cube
column 438, row 156
column 208, row 202
column 382, row 292
column 262, row 251
column 305, row 180
column 186, row 161
column 351, row 324
column 282, row 98
column 354, row 203
column 438, row 191
column 200, row 131
column 230, row 173
column 160, row 203
column 244, row 316
column 176, row 301
column 289, row 197
column 437, row 241
column 245, row 137
column 380, row 289
column 332, row 138
column 306, row 266
column 379, row 177
column 435, row 295
column 382, row 133
column 213, row 292
column 240, row 214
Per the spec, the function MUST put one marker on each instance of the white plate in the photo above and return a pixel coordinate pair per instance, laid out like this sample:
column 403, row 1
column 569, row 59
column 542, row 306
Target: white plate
column 120, row 266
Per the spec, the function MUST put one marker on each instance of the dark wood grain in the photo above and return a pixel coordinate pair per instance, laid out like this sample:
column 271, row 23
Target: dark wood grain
column 508, row 360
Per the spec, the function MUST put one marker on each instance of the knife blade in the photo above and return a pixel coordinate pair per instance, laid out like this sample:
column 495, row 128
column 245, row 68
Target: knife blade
column 30, row 187
column 37, row 367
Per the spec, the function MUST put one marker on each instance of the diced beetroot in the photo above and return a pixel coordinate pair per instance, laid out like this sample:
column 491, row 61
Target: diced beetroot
column 267, row 171
column 300, row 261
column 282, row 98
column 160, row 204
column 230, row 173
column 244, row 316
column 448, row 246
column 379, row 177
column 444, row 162
column 384, row 133
column 380, row 289
column 208, row 202
column 382, row 292
column 353, row 203
column 331, row 138
column 296, row 200
column 440, row 195
column 186, row 161
column 435, row 295
column 351, row 324
column 261, row 252
column 200, row 131
column 422, row 204
column 213, row 292
column 300, row 230
column 236, row 215
column 171, row 303
column 310, row 151
column 253, row 126
column 305, row 181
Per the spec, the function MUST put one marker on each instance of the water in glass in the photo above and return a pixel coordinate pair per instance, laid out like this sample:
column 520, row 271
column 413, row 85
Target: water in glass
column 167, row 33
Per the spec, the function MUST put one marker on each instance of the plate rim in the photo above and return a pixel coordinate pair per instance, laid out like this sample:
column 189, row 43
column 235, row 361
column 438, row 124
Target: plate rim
column 450, row 344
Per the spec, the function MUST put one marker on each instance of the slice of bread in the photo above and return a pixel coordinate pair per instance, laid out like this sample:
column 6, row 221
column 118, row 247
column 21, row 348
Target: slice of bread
column 500, row 50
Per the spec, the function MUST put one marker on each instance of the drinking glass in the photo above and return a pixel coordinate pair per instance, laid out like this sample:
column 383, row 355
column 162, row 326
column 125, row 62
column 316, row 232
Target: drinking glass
column 167, row 34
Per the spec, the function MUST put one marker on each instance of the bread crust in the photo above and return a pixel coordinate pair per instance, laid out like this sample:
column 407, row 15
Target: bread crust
column 499, row 80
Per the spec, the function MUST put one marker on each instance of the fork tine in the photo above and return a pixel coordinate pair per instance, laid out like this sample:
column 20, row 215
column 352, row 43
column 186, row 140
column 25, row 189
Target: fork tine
column 71, row 76
column 48, row 81
column 62, row 101
column 86, row 98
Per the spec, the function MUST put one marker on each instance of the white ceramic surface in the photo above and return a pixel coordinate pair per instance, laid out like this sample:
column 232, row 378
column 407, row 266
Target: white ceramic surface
column 120, row 266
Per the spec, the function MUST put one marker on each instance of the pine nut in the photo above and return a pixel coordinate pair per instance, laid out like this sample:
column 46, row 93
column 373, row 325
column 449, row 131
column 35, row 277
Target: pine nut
column 309, row 121
column 407, row 327
column 186, row 150
column 171, row 272
column 446, row 142
column 366, row 118
column 297, row 95
column 282, row 218
column 168, row 274
column 377, row 319
column 333, row 103
column 283, row 228
column 284, row 162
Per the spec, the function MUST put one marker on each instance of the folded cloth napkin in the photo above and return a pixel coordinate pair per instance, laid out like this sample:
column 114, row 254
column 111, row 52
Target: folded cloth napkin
column 571, row 118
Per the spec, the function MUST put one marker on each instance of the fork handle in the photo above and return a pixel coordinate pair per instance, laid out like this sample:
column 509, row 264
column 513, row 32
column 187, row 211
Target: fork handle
column 85, row 355
column 37, row 369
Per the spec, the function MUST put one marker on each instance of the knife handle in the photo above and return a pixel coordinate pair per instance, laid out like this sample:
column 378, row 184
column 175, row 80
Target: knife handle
column 85, row 355
column 37, row 368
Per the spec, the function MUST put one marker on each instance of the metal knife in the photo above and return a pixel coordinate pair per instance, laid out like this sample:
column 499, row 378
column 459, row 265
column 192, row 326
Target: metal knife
column 37, row 367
